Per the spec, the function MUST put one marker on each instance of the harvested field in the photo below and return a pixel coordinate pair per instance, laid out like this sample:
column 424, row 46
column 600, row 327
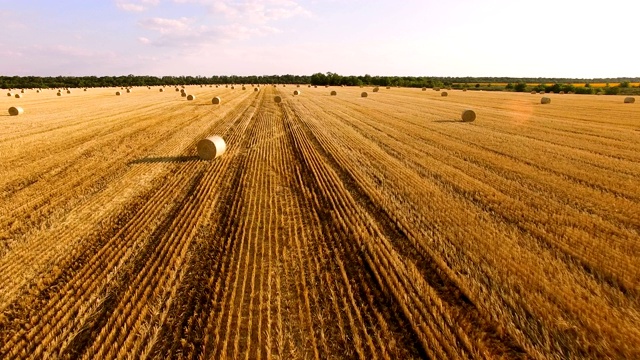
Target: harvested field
column 332, row 227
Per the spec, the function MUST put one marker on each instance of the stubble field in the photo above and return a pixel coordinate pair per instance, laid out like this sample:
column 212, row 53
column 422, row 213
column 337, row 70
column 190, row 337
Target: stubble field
column 333, row 226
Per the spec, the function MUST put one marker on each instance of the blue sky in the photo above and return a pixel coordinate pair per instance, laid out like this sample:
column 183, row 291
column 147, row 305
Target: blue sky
column 518, row 38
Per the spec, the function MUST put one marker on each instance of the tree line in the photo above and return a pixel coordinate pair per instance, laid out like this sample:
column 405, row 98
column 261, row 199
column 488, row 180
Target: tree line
column 328, row 78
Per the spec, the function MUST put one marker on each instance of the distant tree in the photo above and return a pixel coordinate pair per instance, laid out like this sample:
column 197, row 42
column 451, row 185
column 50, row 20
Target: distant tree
column 624, row 84
column 477, row 86
column 509, row 86
column 520, row 86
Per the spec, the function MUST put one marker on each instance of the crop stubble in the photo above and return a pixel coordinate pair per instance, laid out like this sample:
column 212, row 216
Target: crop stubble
column 333, row 227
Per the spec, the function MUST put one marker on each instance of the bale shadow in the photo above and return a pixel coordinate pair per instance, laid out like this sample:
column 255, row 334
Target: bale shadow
column 447, row 121
column 164, row 159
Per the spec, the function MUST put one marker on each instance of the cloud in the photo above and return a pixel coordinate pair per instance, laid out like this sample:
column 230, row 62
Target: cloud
column 144, row 40
column 202, row 36
column 167, row 26
column 135, row 5
column 255, row 11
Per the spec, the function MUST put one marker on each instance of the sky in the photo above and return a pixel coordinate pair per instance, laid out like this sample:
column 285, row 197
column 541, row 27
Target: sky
column 514, row 38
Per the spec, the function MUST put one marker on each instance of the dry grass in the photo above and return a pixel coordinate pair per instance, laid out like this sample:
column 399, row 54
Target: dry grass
column 330, row 228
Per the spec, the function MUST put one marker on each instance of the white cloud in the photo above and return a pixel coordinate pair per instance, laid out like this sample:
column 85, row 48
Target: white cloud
column 135, row 5
column 167, row 26
column 144, row 40
column 255, row 11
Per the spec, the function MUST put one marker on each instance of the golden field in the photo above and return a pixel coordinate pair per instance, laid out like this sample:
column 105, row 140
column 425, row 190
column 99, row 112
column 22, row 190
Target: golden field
column 333, row 227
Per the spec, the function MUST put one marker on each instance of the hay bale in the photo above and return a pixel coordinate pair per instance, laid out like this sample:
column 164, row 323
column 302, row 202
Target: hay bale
column 298, row 85
column 38, row 91
column 364, row 94
column 376, row 89
column 244, row 88
column 545, row 100
column 161, row 90
column 211, row 147
column 216, row 100
column 184, row 94
column 59, row 93
column 561, row 92
column 297, row 92
column 334, row 93
column 9, row 94
column 128, row 90
column 85, row 89
column 468, row 115
column 444, row 93
column 464, row 90
column 22, row 91
column 277, row 99
column 533, row 92
column 16, row 110
column 326, row 86
column 388, row 87
column 191, row 97
column 424, row 89
column 177, row 89
column 233, row 87
column 256, row 89
column 68, row 91
column 629, row 100
column 118, row 93
column 436, row 89
column 18, row 96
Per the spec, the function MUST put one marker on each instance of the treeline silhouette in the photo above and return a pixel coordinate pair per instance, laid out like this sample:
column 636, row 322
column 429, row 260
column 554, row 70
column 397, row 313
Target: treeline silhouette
column 315, row 79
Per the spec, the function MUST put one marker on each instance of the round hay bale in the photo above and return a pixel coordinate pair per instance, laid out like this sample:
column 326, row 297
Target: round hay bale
column 629, row 100
column 277, row 99
column 85, row 89
column 227, row 86
column 118, row 93
column 68, row 91
column 533, row 92
column 388, row 87
column 297, row 92
column 334, row 93
column 376, row 89
column 244, row 88
column 161, row 90
column 298, row 85
column 468, row 115
column 545, row 100
column 216, row 100
column 211, row 147
column 364, row 94
column 315, row 86
column 326, row 86
column 424, row 89
column 128, row 90
column 22, row 91
column 256, row 89
column 9, row 94
column 464, row 90
column 182, row 91
column 191, row 97
column 184, row 94
column 59, row 93
column 16, row 110
column 444, row 93
column 177, row 89
column 38, row 91
column 18, row 96
column 561, row 92
column 436, row 89
column 233, row 87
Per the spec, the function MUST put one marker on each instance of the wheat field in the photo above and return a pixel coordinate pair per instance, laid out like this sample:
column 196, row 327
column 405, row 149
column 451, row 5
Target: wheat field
column 333, row 227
